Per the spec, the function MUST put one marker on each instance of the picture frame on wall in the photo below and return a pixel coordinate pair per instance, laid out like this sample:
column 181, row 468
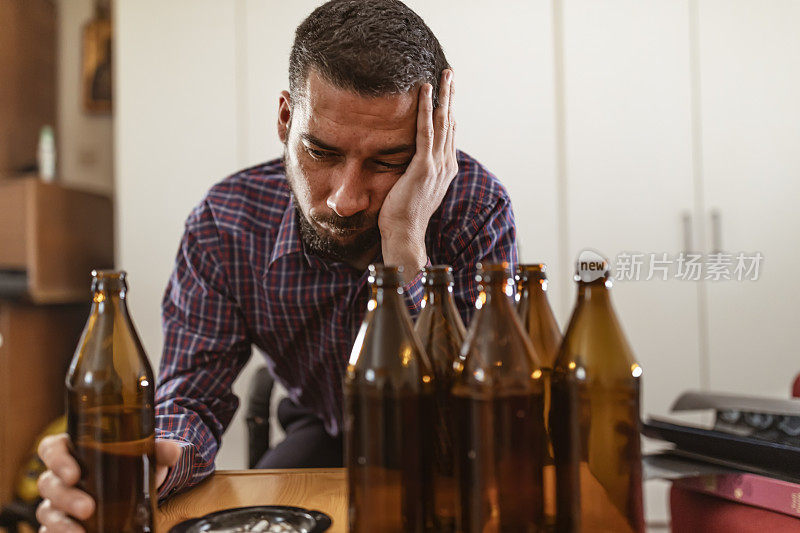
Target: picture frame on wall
column 97, row 60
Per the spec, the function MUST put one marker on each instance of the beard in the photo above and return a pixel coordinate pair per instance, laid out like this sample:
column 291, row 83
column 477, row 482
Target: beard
column 326, row 245
column 360, row 231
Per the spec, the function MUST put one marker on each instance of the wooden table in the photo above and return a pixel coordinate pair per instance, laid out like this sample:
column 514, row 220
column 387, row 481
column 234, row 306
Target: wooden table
column 318, row 489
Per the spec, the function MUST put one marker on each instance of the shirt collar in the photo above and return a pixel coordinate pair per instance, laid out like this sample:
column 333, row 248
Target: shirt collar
column 288, row 238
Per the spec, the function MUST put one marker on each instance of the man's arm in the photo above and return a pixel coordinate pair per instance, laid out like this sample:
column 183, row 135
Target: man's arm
column 205, row 348
column 490, row 237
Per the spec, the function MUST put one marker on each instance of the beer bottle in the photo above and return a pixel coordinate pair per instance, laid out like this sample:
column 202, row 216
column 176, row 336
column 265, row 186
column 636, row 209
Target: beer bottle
column 535, row 312
column 498, row 405
column 388, row 397
column 594, row 417
column 442, row 332
column 540, row 323
column 110, row 413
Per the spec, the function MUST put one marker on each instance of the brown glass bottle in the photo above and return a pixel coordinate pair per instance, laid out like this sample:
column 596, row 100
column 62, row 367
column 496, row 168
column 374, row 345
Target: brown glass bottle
column 498, row 405
column 442, row 332
column 594, row 418
column 388, row 416
column 535, row 312
column 110, row 413
column 540, row 324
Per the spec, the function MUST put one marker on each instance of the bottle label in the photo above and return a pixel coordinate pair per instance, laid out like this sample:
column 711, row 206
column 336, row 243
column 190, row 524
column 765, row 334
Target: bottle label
column 591, row 266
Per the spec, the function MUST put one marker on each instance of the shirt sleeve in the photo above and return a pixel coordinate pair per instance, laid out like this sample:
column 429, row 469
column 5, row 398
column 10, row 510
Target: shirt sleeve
column 415, row 293
column 205, row 347
column 489, row 236
column 180, row 474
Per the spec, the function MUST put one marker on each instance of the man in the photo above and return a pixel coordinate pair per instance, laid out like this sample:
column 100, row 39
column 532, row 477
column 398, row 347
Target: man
column 276, row 255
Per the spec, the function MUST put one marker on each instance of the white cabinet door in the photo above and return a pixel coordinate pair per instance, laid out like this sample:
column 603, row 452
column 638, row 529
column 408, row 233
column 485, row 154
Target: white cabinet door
column 629, row 172
column 750, row 68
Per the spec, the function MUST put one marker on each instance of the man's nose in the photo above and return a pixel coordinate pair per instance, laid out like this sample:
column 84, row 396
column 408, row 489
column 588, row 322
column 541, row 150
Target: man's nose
column 349, row 194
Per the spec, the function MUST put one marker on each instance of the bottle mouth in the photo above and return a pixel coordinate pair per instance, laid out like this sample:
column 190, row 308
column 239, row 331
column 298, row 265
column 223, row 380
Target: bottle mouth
column 109, row 274
column 607, row 280
column 437, row 275
column 494, row 273
column 385, row 275
column 109, row 281
column 531, row 271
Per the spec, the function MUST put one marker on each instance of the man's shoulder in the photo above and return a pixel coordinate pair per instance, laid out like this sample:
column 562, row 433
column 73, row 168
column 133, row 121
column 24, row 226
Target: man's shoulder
column 255, row 197
column 474, row 190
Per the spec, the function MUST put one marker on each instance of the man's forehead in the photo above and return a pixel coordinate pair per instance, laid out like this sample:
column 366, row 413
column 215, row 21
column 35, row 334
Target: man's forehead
column 324, row 102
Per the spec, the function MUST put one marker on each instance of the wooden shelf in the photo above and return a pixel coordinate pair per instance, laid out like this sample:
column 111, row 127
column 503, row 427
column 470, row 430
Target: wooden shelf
column 36, row 346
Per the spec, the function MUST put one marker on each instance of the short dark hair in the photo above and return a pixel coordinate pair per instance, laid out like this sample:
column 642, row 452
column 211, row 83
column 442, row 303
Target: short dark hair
column 372, row 47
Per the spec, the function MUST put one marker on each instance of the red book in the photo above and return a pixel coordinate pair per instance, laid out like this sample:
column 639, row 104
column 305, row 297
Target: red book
column 751, row 489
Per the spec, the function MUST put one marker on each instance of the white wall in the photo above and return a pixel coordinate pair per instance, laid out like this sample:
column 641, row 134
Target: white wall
column 176, row 134
column 85, row 141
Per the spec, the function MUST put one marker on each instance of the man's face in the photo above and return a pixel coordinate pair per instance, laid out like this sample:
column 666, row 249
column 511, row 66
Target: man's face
column 343, row 153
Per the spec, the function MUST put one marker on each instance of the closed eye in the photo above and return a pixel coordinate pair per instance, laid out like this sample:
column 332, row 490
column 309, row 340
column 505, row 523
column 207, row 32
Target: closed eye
column 319, row 154
column 392, row 166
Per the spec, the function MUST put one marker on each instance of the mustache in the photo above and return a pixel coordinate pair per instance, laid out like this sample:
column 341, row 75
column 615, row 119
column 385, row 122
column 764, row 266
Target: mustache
column 358, row 221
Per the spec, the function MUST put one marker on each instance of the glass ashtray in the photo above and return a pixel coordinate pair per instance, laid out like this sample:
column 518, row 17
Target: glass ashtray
column 265, row 519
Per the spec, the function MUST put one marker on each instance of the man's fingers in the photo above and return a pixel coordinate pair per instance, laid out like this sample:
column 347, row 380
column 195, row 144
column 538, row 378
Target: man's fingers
column 54, row 520
column 65, row 498
column 441, row 119
column 167, row 452
column 161, row 475
column 56, row 487
column 54, row 453
column 425, row 120
column 451, row 116
column 450, row 145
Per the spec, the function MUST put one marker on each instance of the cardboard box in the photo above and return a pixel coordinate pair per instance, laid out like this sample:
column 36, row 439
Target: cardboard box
column 51, row 237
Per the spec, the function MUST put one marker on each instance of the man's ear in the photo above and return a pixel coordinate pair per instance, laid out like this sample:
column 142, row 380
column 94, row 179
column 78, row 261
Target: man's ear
column 284, row 115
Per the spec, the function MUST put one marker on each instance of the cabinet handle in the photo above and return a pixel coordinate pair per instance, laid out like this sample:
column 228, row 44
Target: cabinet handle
column 716, row 231
column 686, row 222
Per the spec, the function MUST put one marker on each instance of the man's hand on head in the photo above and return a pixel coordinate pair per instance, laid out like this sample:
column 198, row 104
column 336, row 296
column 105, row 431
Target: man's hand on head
column 410, row 203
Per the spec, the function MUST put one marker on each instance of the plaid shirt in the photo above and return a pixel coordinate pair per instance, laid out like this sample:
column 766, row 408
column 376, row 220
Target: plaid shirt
column 242, row 277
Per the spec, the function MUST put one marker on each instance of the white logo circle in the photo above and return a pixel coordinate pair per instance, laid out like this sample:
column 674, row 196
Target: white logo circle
column 591, row 266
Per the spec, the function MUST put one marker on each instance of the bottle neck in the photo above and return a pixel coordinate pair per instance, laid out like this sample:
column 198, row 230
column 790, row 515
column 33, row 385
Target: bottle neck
column 594, row 293
column 109, row 294
column 438, row 294
column 535, row 290
column 495, row 292
column 387, row 294
column 103, row 302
